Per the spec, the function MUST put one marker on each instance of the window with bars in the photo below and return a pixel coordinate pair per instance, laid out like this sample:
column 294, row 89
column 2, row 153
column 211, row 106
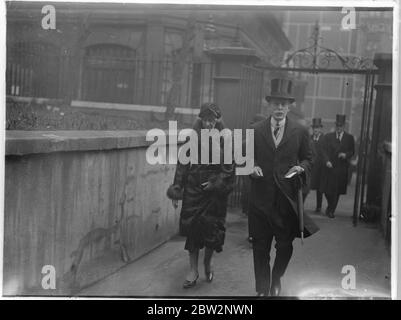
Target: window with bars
column 33, row 70
column 109, row 74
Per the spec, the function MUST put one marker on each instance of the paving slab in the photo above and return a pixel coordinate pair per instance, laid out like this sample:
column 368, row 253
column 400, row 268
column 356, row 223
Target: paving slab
column 316, row 269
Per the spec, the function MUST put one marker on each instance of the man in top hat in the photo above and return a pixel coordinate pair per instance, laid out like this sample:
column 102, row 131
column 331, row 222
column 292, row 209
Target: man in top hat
column 338, row 148
column 316, row 140
column 281, row 147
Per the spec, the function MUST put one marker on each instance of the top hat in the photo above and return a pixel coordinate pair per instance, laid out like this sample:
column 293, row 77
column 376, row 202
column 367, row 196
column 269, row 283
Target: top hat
column 317, row 123
column 340, row 119
column 209, row 109
column 281, row 89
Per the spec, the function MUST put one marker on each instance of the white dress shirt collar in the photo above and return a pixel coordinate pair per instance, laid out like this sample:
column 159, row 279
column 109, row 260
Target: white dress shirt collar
column 275, row 123
column 316, row 137
column 281, row 126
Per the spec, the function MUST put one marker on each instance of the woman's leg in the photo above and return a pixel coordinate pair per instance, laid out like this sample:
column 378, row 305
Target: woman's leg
column 319, row 198
column 208, row 259
column 193, row 264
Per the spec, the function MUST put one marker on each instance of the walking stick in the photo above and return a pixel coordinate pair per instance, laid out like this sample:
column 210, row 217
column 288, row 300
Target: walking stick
column 300, row 203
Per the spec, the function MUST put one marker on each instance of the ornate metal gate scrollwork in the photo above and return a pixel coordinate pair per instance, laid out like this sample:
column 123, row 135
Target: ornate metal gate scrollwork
column 316, row 58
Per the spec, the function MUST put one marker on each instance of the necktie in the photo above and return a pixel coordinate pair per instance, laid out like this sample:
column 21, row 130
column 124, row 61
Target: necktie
column 276, row 130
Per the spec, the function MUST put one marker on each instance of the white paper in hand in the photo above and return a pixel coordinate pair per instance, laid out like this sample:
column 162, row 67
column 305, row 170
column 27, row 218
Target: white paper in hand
column 290, row 174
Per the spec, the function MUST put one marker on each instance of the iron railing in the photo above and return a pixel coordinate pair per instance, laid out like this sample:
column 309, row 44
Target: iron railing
column 131, row 80
column 33, row 71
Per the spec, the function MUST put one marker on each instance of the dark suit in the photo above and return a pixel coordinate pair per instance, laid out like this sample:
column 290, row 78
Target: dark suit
column 273, row 198
column 334, row 181
column 318, row 166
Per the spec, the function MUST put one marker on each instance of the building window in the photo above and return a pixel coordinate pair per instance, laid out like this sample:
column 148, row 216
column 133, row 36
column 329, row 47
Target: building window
column 328, row 109
column 330, row 87
column 196, row 85
column 33, row 70
column 109, row 74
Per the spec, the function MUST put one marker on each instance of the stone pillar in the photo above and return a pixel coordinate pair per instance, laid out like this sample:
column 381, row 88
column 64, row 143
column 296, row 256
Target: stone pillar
column 154, row 37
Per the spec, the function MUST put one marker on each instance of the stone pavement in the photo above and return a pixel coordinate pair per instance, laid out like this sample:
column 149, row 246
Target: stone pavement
column 314, row 271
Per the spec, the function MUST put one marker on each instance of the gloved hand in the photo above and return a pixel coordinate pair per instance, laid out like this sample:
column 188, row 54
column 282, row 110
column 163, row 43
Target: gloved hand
column 257, row 172
column 294, row 170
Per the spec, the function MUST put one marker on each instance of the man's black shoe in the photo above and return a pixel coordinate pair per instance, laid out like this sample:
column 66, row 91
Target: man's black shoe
column 263, row 293
column 275, row 289
column 330, row 214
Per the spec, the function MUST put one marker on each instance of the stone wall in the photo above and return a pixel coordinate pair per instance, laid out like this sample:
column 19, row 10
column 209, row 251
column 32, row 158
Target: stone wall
column 84, row 202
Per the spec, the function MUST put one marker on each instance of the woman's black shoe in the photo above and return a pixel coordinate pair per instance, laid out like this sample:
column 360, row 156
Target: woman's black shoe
column 189, row 284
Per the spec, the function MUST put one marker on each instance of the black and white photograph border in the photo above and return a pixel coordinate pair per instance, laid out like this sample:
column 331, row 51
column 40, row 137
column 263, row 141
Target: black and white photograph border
column 101, row 99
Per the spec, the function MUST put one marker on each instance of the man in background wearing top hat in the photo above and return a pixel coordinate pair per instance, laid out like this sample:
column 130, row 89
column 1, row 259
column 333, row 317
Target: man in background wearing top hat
column 338, row 148
column 316, row 141
column 281, row 146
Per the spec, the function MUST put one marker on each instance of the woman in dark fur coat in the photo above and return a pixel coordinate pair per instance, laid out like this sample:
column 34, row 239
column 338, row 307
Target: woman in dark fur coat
column 204, row 189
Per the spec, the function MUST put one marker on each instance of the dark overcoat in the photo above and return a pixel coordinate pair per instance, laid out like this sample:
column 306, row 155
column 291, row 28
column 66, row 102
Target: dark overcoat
column 335, row 180
column 204, row 212
column 294, row 149
column 317, row 168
